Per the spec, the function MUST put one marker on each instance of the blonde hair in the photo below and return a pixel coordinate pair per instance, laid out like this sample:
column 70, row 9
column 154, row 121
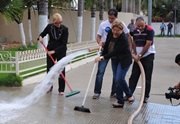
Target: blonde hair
column 57, row 16
column 117, row 24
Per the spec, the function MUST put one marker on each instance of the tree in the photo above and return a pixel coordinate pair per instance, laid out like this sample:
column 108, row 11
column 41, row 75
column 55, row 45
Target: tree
column 93, row 20
column 80, row 20
column 29, row 5
column 101, row 11
column 162, row 9
column 4, row 4
column 14, row 12
column 110, row 4
column 43, row 17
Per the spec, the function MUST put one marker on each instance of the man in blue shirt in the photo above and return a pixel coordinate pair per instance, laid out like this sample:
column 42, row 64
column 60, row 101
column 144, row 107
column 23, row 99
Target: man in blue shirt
column 162, row 28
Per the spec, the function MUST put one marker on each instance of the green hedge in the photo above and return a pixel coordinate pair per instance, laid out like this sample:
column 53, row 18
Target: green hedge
column 10, row 80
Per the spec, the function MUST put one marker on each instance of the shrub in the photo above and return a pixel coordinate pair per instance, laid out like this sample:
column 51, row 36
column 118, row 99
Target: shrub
column 11, row 80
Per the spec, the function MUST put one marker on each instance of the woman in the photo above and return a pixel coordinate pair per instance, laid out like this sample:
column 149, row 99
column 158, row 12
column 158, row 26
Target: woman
column 117, row 48
column 57, row 45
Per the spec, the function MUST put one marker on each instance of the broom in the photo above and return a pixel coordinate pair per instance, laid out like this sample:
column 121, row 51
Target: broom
column 82, row 108
column 72, row 92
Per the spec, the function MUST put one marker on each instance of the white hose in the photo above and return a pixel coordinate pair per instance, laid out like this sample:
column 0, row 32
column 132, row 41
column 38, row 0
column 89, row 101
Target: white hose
column 135, row 113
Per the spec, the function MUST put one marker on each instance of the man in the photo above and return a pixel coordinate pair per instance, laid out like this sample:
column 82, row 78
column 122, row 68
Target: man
column 103, row 30
column 131, row 26
column 170, row 26
column 57, row 45
column 162, row 28
column 144, row 51
column 177, row 60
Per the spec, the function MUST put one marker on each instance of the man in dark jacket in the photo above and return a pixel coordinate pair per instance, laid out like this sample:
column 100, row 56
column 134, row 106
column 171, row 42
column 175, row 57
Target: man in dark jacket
column 177, row 60
column 170, row 26
column 57, row 45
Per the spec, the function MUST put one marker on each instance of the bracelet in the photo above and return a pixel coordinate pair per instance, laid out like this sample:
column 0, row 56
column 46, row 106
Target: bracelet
column 140, row 55
column 101, row 58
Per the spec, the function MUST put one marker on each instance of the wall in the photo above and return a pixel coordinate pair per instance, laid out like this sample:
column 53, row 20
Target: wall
column 156, row 27
column 11, row 31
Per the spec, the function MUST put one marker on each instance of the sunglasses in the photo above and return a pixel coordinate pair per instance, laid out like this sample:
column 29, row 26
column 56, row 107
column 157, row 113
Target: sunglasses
column 58, row 23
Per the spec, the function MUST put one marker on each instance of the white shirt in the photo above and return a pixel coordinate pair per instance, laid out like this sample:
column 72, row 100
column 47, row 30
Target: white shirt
column 105, row 27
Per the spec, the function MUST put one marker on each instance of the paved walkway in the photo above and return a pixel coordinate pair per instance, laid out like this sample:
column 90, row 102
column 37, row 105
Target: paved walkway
column 55, row 109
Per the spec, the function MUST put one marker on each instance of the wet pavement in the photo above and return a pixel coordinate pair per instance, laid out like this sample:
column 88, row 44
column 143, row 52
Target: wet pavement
column 55, row 109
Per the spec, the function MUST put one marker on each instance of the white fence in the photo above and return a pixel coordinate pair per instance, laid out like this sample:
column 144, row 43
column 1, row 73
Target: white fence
column 26, row 63
column 22, row 62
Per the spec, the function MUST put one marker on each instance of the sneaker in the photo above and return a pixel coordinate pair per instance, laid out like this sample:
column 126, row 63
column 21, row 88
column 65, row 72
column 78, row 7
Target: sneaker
column 125, row 98
column 96, row 96
column 117, row 105
column 113, row 95
column 145, row 100
column 50, row 90
column 131, row 99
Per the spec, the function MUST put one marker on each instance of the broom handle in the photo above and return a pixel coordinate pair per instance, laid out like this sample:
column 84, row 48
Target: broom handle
column 62, row 75
column 48, row 53
column 89, row 84
column 92, row 73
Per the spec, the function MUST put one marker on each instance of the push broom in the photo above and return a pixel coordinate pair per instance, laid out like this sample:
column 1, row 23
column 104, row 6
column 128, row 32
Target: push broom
column 72, row 92
column 82, row 108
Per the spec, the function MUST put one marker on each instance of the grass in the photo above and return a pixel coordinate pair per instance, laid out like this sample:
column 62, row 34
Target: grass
column 33, row 72
column 166, row 36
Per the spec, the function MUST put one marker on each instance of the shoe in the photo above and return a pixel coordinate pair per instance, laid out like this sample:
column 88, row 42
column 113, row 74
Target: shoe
column 113, row 95
column 96, row 96
column 50, row 90
column 61, row 93
column 125, row 98
column 145, row 100
column 117, row 105
column 131, row 99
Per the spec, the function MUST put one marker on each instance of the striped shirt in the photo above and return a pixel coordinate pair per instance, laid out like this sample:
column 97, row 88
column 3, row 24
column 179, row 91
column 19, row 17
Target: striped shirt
column 140, row 38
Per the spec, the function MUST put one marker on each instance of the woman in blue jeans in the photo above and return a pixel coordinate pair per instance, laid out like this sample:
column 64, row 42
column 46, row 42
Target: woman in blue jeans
column 117, row 48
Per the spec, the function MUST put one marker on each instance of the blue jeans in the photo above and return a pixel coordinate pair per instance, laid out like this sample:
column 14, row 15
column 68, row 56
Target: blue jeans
column 99, row 77
column 121, row 83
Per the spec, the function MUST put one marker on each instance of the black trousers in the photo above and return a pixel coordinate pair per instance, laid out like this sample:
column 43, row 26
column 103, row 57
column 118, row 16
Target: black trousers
column 61, row 80
column 147, row 63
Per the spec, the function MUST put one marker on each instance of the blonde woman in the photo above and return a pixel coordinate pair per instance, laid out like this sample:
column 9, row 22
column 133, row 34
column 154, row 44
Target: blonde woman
column 57, row 45
column 117, row 48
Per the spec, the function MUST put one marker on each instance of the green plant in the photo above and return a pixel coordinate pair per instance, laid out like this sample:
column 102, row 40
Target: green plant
column 21, row 48
column 10, row 80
